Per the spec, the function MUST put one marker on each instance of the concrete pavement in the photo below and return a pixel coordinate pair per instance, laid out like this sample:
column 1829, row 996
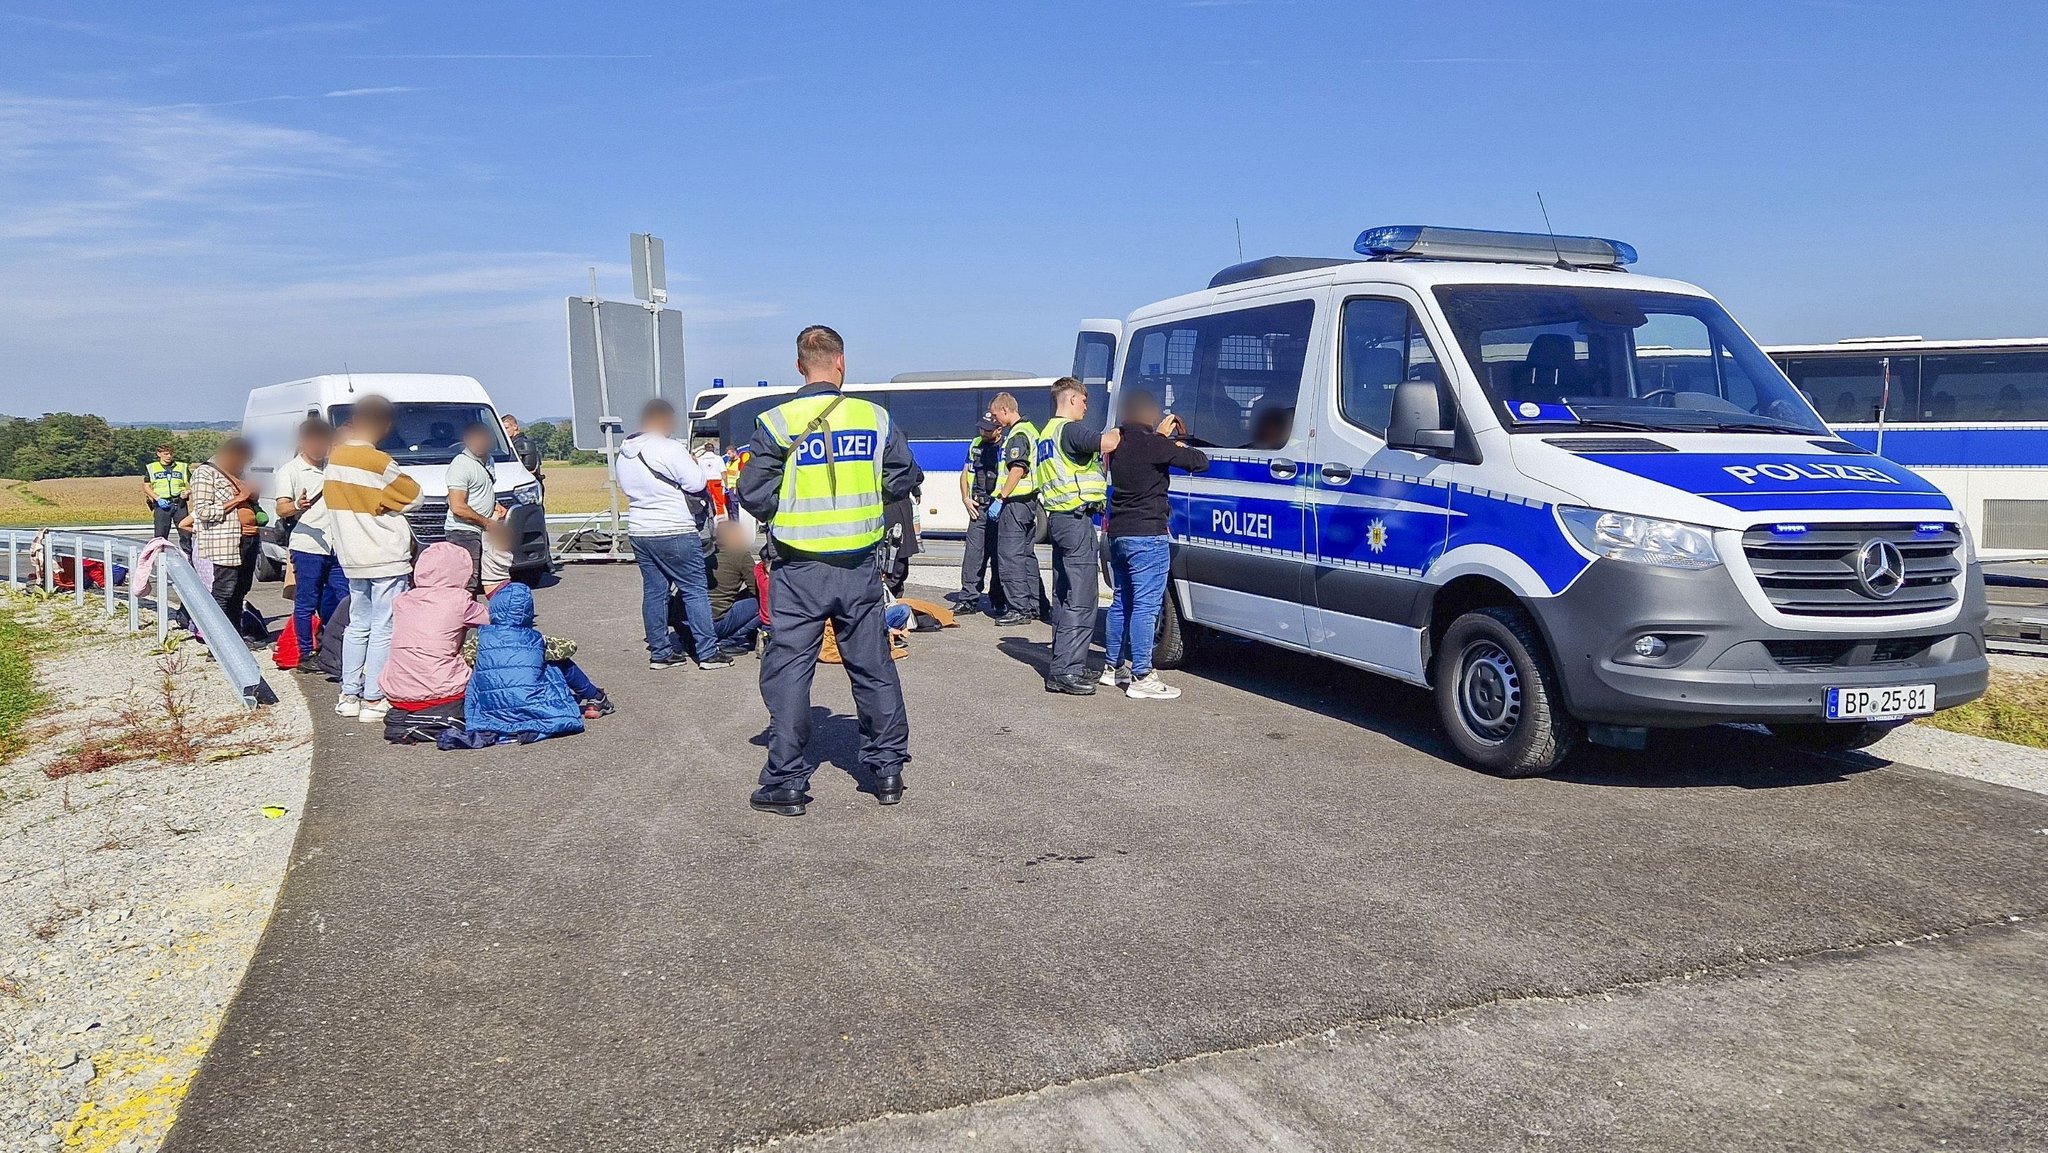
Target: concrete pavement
column 594, row 944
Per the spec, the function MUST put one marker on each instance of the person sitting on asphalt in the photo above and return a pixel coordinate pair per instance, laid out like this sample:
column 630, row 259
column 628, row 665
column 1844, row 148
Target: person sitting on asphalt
column 735, row 598
column 516, row 694
column 665, row 487
column 425, row 678
column 1139, row 550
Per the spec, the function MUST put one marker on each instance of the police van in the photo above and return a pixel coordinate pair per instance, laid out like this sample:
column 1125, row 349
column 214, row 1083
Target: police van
column 1444, row 461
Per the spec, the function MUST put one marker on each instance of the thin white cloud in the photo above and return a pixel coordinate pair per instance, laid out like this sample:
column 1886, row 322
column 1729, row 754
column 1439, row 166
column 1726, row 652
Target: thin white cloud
column 387, row 90
column 504, row 56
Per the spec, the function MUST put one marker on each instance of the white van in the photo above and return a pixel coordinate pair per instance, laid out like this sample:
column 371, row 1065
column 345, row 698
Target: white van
column 430, row 411
column 1439, row 461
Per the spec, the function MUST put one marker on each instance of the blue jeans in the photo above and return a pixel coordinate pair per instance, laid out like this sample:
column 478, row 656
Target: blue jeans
column 740, row 623
column 367, row 643
column 578, row 683
column 674, row 565
column 320, row 588
column 1137, row 576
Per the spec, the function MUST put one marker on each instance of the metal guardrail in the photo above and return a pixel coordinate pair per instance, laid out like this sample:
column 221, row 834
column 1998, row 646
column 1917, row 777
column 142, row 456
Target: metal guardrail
column 172, row 573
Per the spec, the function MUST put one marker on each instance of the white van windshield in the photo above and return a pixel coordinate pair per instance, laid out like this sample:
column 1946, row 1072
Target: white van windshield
column 1619, row 358
column 430, row 432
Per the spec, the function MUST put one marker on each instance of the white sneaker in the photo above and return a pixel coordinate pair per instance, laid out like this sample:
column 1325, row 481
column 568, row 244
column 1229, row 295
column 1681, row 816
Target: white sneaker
column 1114, row 678
column 373, row 712
column 1150, row 688
column 348, row 706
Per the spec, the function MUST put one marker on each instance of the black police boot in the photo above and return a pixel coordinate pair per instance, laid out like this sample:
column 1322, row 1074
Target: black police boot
column 889, row 789
column 1071, row 686
column 782, row 802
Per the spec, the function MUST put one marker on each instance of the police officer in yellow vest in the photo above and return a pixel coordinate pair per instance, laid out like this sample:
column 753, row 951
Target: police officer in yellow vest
column 1072, row 488
column 1015, row 513
column 823, row 465
column 168, row 481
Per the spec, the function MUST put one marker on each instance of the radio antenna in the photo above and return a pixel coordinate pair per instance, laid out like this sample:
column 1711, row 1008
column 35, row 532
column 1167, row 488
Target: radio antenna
column 1239, row 225
column 1554, row 249
column 351, row 377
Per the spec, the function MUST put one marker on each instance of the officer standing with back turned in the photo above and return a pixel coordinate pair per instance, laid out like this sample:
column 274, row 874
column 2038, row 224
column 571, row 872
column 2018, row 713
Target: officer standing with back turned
column 1072, row 489
column 823, row 465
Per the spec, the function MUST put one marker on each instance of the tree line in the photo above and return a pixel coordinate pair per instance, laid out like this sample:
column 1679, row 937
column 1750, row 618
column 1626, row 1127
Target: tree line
column 65, row 444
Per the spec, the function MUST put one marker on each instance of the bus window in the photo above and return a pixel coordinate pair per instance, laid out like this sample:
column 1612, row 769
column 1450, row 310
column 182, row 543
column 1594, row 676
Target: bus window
column 1979, row 387
column 1846, row 389
column 1094, row 357
column 932, row 414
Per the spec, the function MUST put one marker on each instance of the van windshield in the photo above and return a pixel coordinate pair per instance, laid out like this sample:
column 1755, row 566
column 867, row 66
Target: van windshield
column 1619, row 358
column 430, row 432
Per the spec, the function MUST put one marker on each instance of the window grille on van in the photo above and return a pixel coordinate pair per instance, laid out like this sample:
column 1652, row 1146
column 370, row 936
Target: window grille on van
column 1814, row 573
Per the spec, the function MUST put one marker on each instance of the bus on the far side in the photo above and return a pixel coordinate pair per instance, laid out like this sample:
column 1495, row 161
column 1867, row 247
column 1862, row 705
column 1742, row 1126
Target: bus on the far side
column 1969, row 415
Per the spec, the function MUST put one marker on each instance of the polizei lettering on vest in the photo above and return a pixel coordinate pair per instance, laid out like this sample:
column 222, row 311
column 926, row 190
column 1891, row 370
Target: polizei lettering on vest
column 845, row 446
column 1231, row 522
column 1817, row 470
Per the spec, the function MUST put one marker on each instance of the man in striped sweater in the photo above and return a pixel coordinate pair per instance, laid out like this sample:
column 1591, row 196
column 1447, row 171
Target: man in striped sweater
column 367, row 498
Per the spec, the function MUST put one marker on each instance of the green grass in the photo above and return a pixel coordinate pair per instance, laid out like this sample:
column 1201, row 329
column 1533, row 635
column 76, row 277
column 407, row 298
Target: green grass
column 19, row 699
column 2014, row 708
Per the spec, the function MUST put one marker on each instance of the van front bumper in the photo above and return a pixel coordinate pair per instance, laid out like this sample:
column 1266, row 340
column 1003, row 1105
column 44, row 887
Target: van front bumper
column 1723, row 664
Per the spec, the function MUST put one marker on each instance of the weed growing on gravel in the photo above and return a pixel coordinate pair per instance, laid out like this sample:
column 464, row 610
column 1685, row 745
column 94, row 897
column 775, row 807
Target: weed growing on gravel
column 2014, row 708
column 19, row 699
column 165, row 730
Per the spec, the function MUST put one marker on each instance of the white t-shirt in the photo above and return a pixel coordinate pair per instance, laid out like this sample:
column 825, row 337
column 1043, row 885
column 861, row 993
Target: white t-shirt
column 302, row 480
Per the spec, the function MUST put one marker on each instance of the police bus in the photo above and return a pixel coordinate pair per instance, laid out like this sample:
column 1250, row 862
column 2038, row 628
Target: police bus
column 1463, row 459
column 1971, row 415
column 937, row 411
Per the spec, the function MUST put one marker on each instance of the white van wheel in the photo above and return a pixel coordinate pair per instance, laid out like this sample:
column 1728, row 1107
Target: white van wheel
column 1497, row 695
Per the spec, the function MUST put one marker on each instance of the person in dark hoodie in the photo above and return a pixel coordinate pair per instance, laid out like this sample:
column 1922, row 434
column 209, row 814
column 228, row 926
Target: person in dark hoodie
column 514, row 691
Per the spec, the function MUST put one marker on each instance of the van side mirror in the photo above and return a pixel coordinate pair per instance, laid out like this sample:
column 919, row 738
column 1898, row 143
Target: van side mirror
column 1417, row 421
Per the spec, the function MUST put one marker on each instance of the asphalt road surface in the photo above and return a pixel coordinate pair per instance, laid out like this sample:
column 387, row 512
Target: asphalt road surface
column 1275, row 896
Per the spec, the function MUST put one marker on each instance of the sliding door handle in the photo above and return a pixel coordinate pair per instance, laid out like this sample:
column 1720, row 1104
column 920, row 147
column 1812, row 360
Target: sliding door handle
column 1336, row 473
column 1283, row 469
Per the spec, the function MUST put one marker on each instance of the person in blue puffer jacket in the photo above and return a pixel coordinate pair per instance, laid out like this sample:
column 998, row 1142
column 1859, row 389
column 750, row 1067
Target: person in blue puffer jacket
column 514, row 690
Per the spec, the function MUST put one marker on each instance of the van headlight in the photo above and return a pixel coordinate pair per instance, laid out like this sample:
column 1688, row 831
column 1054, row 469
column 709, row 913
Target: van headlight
column 527, row 493
column 1641, row 539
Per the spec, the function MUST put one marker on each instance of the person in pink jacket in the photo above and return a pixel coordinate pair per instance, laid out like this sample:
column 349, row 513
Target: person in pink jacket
column 426, row 672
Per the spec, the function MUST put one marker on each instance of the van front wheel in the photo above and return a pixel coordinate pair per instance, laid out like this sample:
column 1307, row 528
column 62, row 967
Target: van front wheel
column 1170, row 641
column 1497, row 695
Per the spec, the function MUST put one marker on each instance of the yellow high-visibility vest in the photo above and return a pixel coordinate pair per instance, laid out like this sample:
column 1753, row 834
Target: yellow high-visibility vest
column 831, row 498
column 168, row 481
column 1066, row 484
column 1029, row 483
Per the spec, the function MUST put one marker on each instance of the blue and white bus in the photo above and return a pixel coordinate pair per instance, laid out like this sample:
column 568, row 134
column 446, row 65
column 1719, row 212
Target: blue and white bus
column 938, row 412
column 1969, row 415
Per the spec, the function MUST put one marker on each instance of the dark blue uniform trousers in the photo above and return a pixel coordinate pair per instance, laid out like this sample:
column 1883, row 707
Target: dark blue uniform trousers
column 802, row 596
column 1074, row 571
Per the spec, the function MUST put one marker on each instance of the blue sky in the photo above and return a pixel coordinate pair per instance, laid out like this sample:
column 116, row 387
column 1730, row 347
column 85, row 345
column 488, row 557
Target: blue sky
column 198, row 199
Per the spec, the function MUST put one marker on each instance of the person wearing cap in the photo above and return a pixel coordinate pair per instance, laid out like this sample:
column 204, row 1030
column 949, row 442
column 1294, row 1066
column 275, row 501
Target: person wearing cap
column 977, row 488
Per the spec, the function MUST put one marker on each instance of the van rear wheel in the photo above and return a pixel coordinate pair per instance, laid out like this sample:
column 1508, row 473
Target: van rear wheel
column 1498, row 697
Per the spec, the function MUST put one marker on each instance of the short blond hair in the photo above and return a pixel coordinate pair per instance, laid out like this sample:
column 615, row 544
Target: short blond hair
column 1002, row 402
column 817, row 345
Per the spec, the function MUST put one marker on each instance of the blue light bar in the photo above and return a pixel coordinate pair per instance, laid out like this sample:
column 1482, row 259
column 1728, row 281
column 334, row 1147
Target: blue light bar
column 1428, row 242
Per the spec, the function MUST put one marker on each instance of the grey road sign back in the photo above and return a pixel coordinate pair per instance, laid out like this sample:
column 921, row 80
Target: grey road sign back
column 650, row 277
column 628, row 378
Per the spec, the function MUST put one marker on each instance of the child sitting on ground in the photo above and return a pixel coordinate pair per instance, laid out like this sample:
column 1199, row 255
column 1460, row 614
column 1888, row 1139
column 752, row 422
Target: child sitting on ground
column 735, row 599
column 495, row 565
column 557, row 653
column 425, row 677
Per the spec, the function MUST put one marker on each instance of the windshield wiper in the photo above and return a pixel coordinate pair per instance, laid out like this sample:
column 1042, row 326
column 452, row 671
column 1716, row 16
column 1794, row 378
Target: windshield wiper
column 1765, row 425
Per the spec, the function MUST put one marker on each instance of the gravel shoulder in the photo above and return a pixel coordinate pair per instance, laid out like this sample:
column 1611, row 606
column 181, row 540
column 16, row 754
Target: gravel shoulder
column 132, row 894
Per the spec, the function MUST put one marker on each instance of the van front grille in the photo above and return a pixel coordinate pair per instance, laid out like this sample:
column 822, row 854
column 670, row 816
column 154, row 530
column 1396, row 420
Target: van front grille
column 1814, row 572
column 1832, row 654
column 429, row 521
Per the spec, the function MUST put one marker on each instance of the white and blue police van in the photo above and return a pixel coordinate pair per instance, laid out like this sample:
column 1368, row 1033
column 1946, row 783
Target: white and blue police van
column 1444, row 460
